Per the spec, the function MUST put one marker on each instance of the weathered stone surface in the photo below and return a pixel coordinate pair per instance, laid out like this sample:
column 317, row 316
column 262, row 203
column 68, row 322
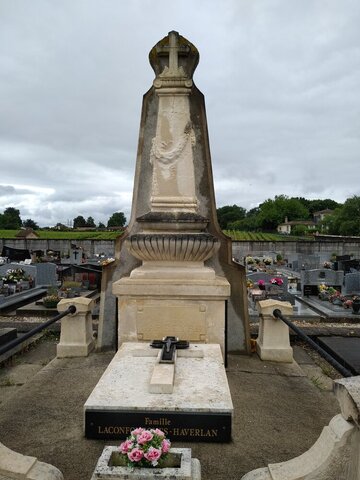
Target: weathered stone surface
column 336, row 453
column 189, row 468
column 329, row 458
column 273, row 342
column 13, row 465
column 347, row 391
column 76, row 339
column 174, row 194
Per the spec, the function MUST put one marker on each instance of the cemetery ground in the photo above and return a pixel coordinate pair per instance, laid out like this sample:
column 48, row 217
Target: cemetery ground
column 279, row 409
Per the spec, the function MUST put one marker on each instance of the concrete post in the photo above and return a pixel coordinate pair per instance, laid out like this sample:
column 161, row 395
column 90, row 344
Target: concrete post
column 273, row 342
column 76, row 339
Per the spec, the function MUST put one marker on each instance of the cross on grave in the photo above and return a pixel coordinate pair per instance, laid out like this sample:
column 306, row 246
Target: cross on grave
column 173, row 50
column 168, row 347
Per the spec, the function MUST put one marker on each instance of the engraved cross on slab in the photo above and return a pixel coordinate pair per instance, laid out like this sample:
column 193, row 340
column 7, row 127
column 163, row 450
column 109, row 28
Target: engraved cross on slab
column 168, row 347
column 173, row 50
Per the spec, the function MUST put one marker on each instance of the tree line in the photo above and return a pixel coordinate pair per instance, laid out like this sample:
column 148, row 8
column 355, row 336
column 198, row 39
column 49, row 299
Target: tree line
column 10, row 219
column 343, row 220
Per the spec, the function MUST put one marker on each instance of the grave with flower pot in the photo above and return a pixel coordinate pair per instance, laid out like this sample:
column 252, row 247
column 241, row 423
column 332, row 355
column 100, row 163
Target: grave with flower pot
column 146, row 453
column 176, row 276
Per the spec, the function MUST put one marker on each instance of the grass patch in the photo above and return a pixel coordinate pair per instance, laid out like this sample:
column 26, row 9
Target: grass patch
column 73, row 235
column 238, row 235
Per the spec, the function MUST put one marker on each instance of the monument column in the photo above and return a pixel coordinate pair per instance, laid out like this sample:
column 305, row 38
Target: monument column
column 172, row 292
column 173, row 261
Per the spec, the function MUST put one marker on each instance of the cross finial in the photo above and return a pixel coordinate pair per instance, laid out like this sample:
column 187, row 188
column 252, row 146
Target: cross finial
column 174, row 60
column 174, row 51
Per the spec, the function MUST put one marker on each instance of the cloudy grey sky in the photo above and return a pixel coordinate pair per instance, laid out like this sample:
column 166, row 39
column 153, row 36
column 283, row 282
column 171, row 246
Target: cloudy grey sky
column 281, row 82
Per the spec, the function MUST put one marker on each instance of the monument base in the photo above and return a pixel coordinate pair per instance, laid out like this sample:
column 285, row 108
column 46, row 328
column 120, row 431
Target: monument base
column 199, row 409
column 154, row 308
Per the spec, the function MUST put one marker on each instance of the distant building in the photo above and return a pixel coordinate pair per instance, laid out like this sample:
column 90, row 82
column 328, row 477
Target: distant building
column 27, row 233
column 319, row 216
column 286, row 227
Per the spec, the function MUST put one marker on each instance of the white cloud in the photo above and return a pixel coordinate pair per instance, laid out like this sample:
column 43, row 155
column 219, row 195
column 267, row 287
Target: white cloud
column 280, row 81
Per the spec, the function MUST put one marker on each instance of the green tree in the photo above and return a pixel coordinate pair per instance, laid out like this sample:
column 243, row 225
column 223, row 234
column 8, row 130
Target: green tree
column 229, row 214
column 10, row 219
column 90, row 222
column 318, row 205
column 299, row 230
column 117, row 219
column 345, row 220
column 28, row 223
column 79, row 222
column 273, row 212
column 101, row 225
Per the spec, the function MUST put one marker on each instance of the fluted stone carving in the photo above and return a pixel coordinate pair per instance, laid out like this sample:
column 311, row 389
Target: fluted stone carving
column 173, row 247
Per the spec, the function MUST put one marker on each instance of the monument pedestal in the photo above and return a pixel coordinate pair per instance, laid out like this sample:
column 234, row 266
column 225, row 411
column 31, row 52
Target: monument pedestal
column 192, row 309
column 199, row 409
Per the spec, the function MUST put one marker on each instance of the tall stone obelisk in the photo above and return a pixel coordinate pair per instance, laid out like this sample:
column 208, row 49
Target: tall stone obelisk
column 174, row 273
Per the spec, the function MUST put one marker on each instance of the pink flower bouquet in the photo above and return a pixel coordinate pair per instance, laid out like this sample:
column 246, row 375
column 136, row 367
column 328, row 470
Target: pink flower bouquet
column 277, row 281
column 145, row 448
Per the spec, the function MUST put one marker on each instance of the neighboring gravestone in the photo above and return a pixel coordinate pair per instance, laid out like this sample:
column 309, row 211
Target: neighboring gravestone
column 352, row 283
column 311, row 279
column 174, row 270
column 46, row 274
column 307, row 262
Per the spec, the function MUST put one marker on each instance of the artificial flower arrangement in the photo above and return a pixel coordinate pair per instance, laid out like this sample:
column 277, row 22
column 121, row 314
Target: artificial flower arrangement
column 145, row 448
column 15, row 275
column 327, row 264
column 249, row 283
column 261, row 283
column 277, row 281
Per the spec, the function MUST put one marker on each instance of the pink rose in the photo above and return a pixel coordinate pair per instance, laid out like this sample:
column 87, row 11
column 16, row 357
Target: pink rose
column 135, row 455
column 159, row 432
column 144, row 437
column 165, row 445
column 126, row 446
column 153, row 455
column 137, row 431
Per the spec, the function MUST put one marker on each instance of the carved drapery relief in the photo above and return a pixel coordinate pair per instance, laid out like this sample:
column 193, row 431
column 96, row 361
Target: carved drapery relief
column 171, row 154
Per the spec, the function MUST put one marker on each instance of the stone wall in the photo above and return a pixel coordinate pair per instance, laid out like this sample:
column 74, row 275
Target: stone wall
column 240, row 249
column 90, row 247
column 321, row 248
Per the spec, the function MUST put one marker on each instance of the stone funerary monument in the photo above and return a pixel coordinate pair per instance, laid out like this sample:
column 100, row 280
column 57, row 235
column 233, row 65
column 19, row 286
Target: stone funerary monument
column 174, row 273
column 174, row 276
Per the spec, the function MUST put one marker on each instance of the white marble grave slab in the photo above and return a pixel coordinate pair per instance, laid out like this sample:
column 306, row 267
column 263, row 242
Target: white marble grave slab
column 200, row 392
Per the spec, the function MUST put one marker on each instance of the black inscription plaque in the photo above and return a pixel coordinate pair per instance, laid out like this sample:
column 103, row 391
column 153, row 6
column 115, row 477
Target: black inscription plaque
column 191, row 427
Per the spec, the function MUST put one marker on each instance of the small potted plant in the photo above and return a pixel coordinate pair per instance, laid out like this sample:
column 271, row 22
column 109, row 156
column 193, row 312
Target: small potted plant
column 261, row 284
column 51, row 301
column 249, row 284
column 347, row 303
column 277, row 281
column 356, row 304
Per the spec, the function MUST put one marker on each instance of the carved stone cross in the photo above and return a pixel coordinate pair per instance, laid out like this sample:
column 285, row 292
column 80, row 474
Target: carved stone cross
column 174, row 50
column 169, row 346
